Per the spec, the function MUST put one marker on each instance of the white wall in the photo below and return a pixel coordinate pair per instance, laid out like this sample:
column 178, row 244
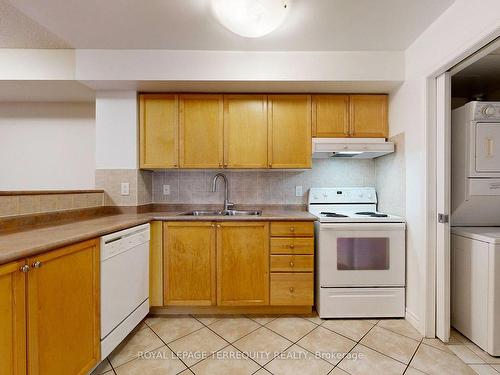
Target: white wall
column 116, row 130
column 47, row 146
column 450, row 38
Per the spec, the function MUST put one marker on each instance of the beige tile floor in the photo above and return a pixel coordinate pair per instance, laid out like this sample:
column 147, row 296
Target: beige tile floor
column 286, row 345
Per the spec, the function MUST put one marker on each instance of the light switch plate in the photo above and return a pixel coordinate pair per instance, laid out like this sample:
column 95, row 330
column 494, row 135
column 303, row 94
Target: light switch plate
column 125, row 188
column 298, row 191
column 166, row 189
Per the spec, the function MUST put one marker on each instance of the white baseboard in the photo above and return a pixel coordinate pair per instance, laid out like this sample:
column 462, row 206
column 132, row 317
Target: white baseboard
column 414, row 321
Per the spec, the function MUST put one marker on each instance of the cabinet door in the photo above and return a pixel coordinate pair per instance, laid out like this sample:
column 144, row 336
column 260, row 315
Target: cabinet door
column 368, row 116
column 63, row 310
column 159, row 136
column 330, row 116
column 242, row 263
column 245, row 131
column 12, row 319
column 290, row 131
column 189, row 267
column 201, row 127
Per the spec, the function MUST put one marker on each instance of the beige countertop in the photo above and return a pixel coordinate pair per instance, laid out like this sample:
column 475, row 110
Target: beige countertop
column 38, row 239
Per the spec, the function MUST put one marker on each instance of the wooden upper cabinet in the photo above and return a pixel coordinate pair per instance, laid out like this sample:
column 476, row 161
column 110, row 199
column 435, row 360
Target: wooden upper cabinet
column 245, row 131
column 242, row 263
column 12, row 319
column 289, row 119
column 368, row 116
column 63, row 310
column 330, row 116
column 189, row 263
column 159, row 139
column 201, row 131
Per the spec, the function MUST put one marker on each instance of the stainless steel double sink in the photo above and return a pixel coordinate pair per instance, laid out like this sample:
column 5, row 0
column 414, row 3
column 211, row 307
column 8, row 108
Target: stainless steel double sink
column 222, row 213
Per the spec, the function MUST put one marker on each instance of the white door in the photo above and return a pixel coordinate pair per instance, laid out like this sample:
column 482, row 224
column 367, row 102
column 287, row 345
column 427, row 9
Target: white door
column 443, row 198
column 487, row 147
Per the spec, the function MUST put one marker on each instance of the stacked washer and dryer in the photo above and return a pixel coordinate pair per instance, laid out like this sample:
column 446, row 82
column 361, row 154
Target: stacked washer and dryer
column 475, row 220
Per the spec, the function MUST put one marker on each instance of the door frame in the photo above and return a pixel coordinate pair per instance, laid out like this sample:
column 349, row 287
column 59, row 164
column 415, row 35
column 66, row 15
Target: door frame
column 476, row 50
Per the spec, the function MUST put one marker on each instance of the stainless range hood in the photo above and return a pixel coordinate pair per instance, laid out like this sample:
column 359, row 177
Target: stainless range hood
column 354, row 148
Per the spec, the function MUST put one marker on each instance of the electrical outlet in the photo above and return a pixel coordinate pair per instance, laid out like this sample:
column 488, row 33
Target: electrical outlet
column 166, row 189
column 298, row 191
column 125, row 188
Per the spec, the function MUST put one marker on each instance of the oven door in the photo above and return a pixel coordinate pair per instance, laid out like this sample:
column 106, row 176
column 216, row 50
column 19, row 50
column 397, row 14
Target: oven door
column 361, row 254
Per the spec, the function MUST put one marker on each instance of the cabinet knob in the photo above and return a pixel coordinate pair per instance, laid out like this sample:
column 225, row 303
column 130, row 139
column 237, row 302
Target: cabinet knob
column 24, row 268
column 218, row 225
column 270, row 164
column 292, row 229
column 220, row 165
column 213, row 225
column 175, row 165
column 37, row 264
column 291, row 264
column 291, row 290
column 292, row 246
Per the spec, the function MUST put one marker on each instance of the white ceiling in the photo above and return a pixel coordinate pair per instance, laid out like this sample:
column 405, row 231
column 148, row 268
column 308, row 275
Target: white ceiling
column 313, row 25
column 19, row 31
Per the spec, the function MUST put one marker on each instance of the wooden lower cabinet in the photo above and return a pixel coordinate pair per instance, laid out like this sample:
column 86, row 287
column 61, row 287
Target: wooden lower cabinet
column 242, row 263
column 63, row 310
column 292, row 289
column 234, row 266
column 292, row 228
column 12, row 319
column 189, row 263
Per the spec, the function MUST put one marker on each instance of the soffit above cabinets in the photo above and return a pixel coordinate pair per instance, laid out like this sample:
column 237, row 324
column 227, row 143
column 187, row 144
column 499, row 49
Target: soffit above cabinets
column 365, row 86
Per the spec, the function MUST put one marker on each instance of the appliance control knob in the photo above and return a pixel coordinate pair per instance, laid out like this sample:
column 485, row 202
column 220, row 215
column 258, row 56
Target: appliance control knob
column 489, row 110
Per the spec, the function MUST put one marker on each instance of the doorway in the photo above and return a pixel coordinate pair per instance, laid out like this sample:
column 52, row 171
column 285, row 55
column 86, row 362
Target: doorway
column 462, row 89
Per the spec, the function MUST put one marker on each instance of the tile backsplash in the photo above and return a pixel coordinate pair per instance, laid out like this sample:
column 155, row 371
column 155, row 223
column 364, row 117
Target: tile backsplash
column 140, row 186
column 25, row 204
column 391, row 177
column 261, row 187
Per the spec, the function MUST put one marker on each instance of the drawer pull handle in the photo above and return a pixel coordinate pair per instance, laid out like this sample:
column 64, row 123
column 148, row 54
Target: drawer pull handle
column 291, row 264
column 292, row 246
column 291, row 290
column 292, row 229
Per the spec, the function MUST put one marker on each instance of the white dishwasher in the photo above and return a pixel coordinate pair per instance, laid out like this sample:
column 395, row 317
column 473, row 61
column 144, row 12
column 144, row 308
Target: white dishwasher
column 124, row 284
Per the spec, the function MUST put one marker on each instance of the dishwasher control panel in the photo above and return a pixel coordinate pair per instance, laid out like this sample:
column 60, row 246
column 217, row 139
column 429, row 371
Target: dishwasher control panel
column 118, row 242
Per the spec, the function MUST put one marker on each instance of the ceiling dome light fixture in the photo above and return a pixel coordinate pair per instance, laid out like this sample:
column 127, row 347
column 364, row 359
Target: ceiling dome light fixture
column 251, row 18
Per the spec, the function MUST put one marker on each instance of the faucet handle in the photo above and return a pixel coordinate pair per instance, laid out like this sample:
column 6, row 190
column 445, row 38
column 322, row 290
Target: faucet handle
column 230, row 204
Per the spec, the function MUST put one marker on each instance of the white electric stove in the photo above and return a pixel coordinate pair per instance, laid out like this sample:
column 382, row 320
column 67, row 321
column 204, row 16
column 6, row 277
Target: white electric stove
column 360, row 262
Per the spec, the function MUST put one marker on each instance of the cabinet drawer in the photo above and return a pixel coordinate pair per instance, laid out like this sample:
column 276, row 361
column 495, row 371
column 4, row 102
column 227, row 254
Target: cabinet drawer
column 292, row 228
column 292, row 289
column 291, row 245
column 292, row 263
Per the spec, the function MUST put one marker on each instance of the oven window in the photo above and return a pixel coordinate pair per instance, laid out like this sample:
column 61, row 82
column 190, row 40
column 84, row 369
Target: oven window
column 363, row 253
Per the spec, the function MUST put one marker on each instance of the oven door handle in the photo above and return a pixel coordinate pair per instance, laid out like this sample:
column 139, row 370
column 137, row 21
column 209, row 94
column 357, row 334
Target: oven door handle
column 351, row 227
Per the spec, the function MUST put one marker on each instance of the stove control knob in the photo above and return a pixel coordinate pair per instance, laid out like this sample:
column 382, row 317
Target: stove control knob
column 489, row 110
